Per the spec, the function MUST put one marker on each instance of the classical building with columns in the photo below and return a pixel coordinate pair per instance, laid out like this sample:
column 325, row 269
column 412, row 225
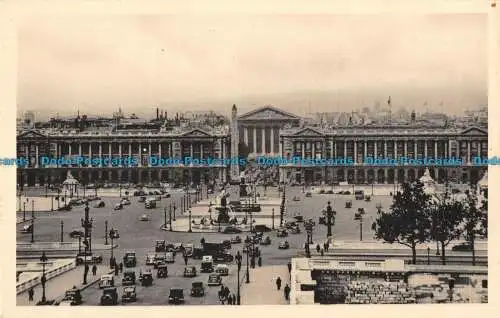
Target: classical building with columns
column 176, row 144
column 390, row 141
column 266, row 131
column 260, row 129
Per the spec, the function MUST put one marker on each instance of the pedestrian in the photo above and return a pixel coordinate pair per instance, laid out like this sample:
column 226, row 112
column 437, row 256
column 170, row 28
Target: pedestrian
column 322, row 253
column 185, row 259
column 234, row 299
column 327, row 246
column 226, row 292
column 278, row 283
column 318, row 248
column 229, row 300
column 31, row 292
column 324, row 246
column 289, row 267
column 287, row 292
column 94, row 269
column 117, row 270
column 260, row 261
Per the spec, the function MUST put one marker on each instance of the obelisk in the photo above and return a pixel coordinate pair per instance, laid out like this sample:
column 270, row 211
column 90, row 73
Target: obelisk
column 234, row 183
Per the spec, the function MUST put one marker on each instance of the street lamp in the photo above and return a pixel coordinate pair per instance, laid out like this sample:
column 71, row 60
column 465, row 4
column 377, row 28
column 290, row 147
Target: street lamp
column 170, row 218
column 43, row 259
column 190, row 230
column 273, row 218
column 428, row 256
column 248, row 270
column 62, row 231
column 330, row 214
column 111, row 258
column 238, row 261
column 32, row 230
column 106, row 232
column 87, row 226
column 24, row 211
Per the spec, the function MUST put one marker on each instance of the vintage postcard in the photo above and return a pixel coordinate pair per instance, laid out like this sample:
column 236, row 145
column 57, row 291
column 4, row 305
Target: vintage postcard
column 208, row 158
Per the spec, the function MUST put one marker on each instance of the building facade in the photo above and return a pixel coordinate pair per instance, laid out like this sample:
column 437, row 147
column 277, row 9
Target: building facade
column 266, row 131
column 140, row 146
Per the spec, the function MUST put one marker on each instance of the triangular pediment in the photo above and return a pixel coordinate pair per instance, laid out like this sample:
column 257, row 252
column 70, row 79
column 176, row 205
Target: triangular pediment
column 309, row 132
column 268, row 113
column 196, row 133
column 31, row 134
column 474, row 131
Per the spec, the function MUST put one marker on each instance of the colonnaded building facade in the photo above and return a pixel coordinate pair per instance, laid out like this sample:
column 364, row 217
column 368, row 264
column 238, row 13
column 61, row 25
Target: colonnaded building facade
column 267, row 131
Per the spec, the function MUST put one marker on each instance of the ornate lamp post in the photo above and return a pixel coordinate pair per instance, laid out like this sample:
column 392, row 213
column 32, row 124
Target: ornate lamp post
column 238, row 261
column 87, row 226
column 111, row 258
column 248, row 270
column 330, row 214
column 43, row 259
column 62, row 231
column 106, row 232
column 190, row 230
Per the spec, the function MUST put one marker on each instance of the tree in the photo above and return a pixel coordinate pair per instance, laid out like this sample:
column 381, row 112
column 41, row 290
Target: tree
column 484, row 219
column 447, row 217
column 472, row 222
column 408, row 222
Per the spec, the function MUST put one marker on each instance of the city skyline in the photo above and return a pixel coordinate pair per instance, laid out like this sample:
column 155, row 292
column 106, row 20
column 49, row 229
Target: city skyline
column 301, row 63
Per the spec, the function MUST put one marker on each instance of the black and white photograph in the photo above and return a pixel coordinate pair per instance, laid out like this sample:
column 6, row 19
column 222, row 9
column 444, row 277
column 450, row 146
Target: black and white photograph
column 251, row 159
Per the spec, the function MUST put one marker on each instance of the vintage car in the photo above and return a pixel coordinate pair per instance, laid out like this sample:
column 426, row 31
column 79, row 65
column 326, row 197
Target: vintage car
column 160, row 246
column 231, row 230
column 322, row 220
column 222, row 257
column 88, row 258
column 162, row 271
column 226, row 244
column 129, row 294
column 118, row 206
column 348, row 204
column 125, row 201
column 109, row 297
column 197, row 289
column 106, row 281
column 129, row 260
column 308, row 194
column 76, row 234
column 72, row 297
column 166, row 195
column 144, row 218
column 359, row 195
column 99, row 204
column 235, row 240
column 188, row 250
column 169, row 257
column 178, row 247
column 222, row 269
column 266, row 241
column 282, row 233
column 190, row 271
column 207, row 264
column 299, row 218
column 27, row 229
column 214, row 280
column 284, row 245
column 361, row 210
column 176, row 296
column 128, row 278
column 146, row 278
column 150, row 259
column 141, row 199
column 296, row 198
column 368, row 198
column 462, row 247
column 295, row 230
column 358, row 216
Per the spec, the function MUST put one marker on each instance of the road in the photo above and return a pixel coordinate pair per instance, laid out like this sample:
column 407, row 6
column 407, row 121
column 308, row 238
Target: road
column 140, row 237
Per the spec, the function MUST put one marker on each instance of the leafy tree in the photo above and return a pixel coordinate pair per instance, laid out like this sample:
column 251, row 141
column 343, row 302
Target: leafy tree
column 484, row 219
column 408, row 222
column 472, row 222
column 447, row 217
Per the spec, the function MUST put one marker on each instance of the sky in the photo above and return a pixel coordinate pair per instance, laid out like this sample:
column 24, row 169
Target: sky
column 300, row 63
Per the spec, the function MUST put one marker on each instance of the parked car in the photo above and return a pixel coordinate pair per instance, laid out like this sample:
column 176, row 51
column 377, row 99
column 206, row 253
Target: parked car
column 222, row 269
column 72, row 297
column 462, row 247
column 76, row 234
column 190, row 271
column 125, row 201
column 266, row 241
column 109, row 297
column 284, row 245
column 128, row 278
column 214, row 280
column 231, row 230
column 99, row 204
column 197, row 289
column 235, row 240
column 162, row 271
column 129, row 294
column 176, row 296
column 118, row 206
column 106, row 281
